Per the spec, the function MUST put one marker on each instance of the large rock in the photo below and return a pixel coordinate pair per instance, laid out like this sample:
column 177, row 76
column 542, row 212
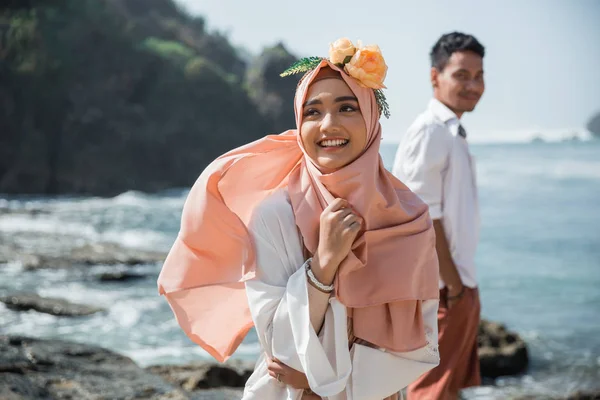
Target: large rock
column 501, row 353
column 54, row 369
column 47, row 305
column 581, row 395
column 593, row 125
column 120, row 276
column 578, row 395
column 110, row 254
column 196, row 376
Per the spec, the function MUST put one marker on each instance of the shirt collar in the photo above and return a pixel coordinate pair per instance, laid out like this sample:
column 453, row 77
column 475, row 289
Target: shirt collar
column 442, row 112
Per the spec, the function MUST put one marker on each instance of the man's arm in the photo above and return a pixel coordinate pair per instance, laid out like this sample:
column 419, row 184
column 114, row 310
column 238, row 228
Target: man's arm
column 420, row 164
column 448, row 271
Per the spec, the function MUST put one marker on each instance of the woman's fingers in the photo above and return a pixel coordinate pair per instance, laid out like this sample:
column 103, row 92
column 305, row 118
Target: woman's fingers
column 342, row 213
column 352, row 224
column 287, row 375
column 276, row 367
column 351, row 219
column 277, row 370
column 337, row 204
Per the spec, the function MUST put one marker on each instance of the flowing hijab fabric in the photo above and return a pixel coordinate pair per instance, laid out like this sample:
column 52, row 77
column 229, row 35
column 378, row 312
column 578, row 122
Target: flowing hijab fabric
column 392, row 266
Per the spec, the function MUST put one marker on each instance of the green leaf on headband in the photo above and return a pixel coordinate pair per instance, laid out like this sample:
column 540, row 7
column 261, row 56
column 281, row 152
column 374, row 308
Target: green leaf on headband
column 302, row 65
column 347, row 59
column 384, row 108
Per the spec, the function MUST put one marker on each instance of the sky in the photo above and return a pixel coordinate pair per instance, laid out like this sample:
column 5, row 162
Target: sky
column 542, row 62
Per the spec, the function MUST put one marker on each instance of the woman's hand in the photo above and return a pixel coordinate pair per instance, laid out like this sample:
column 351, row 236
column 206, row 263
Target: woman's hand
column 287, row 375
column 338, row 228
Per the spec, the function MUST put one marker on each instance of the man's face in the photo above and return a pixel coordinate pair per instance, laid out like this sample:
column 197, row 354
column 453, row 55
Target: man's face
column 460, row 84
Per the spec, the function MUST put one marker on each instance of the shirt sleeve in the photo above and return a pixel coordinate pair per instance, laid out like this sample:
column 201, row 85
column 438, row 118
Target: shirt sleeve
column 278, row 300
column 421, row 162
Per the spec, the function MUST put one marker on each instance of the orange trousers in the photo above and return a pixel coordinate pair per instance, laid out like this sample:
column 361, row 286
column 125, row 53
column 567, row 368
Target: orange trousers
column 459, row 362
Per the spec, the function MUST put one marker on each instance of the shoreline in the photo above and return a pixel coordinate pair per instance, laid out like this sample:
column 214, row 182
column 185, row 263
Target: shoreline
column 48, row 369
column 65, row 249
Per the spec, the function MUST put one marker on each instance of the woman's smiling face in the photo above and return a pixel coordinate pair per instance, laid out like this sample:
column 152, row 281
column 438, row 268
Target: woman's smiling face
column 333, row 129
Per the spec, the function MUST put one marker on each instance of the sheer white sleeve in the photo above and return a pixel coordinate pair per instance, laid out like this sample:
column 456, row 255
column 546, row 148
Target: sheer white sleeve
column 278, row 299
column 377, row 373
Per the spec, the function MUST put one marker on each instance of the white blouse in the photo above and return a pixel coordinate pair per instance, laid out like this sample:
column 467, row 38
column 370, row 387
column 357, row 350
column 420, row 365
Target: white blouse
column 278, row 299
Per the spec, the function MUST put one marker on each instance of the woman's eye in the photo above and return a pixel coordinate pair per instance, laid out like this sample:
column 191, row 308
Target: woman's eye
column 310, row 111
column 347, row 108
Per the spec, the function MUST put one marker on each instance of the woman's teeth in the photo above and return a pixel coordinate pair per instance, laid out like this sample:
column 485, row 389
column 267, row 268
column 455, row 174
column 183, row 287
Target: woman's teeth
column 333, row 143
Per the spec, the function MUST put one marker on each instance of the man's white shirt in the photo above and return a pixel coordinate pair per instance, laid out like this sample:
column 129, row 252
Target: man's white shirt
column 434, row 161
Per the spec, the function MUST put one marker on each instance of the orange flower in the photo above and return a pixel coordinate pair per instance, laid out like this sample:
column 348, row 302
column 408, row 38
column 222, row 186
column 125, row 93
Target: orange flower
column 368, row 67
column 340, row 49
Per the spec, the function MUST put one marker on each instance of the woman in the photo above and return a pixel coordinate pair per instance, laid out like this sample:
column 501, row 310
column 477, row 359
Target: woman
column 307, row 237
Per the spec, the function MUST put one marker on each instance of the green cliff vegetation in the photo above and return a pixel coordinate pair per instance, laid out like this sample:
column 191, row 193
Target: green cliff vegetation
column 104, row 96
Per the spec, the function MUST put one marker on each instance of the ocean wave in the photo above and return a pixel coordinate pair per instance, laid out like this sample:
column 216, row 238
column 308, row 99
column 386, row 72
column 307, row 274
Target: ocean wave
column 521, row 136
column 165, row 354
column 89, row 226
column 129, row 199
column 143, row 239
column 79, row 292
column 173, row 198
column 527, row 136
column 504, row 175
column 49, row 225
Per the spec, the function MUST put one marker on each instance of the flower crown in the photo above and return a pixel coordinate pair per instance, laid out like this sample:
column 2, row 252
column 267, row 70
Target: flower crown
column 363, row 63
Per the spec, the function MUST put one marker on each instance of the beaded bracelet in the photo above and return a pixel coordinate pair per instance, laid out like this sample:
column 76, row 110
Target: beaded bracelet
column 313, row 279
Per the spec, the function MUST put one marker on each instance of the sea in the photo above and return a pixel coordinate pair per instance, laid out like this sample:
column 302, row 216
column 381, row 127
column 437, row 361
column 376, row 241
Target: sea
column 538, row 263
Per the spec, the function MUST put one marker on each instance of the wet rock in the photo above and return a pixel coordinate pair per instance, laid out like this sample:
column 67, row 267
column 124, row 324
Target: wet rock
column 6, row 250
column 593, row 125
column 48, row 305
column 196, row 376
column 218, row 394
column 501, row 353
column 54, row 369
column 581, row 395
column 15, row 386
column 32, row 212
column 578, row 395
column 119, row 276
column 110, row 254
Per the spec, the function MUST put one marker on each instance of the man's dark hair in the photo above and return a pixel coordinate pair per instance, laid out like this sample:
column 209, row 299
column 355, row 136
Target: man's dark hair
column 451, row 43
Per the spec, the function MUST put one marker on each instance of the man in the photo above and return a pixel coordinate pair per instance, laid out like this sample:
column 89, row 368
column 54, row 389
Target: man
column 433, row 159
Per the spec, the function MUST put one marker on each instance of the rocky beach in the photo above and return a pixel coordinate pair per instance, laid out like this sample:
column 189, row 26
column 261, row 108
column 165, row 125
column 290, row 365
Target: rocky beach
column 80, row 271
column 56, row 369
column 110, row 109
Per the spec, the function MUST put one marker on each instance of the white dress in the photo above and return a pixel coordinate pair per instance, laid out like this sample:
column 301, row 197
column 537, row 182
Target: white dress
column 278, row 299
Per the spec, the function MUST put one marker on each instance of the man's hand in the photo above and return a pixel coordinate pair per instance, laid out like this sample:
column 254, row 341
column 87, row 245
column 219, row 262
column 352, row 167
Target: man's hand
column 453, row 296
column 286, row 375
column 448, row 271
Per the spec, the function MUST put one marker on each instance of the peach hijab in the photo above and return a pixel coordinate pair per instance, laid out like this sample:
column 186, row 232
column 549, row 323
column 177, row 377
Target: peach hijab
column 392, row 266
